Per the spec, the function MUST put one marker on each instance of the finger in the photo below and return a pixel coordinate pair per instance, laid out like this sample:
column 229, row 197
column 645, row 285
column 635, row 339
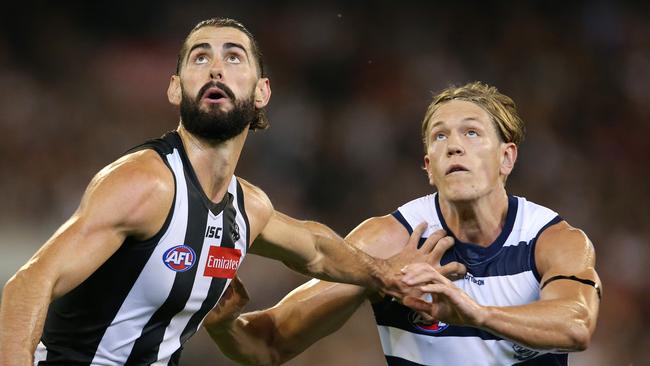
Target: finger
column 414, row 239
column 417, row 304
column 453, row 270
column 442, row 246
column 434, row 288
column 419, row 276
column 432, row 241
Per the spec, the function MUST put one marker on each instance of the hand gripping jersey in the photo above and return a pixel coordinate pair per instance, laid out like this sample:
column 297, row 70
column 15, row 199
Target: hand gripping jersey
column 502, row 274
column 147, row 299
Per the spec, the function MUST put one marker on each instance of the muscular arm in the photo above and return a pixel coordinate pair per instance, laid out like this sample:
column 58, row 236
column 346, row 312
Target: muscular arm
column 313, row 310
column 121, row 200
column 564, row 318
column 314, row 249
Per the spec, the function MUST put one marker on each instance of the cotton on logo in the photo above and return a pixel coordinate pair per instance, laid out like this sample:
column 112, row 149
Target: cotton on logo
column 179, row 258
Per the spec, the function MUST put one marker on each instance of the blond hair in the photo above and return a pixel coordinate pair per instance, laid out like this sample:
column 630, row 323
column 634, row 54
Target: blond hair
column 500, row 107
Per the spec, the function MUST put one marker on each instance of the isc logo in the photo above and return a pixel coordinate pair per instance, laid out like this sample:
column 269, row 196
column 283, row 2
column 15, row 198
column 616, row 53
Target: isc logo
column 179, row 258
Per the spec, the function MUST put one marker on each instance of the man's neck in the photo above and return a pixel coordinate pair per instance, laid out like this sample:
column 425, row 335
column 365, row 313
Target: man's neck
column 477, row 221
column 213, row 163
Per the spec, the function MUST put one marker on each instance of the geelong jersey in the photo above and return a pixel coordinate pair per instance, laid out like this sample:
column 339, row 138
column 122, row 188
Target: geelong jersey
column 502, row 274
column 149, row 297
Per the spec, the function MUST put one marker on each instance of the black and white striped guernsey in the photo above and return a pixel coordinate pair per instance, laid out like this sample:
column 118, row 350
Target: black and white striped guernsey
column 148, row 298
column 502, row 274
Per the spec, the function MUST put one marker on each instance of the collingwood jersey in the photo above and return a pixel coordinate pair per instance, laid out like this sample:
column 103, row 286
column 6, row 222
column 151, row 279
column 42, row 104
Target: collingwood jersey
column 502, row 274
column 149, row 297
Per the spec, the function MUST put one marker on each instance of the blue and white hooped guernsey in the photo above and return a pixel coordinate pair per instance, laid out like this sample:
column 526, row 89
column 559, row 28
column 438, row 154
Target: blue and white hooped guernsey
column 502, row 274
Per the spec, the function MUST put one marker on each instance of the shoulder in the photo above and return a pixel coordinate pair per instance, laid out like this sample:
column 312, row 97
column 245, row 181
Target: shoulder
column 381, row 236
column 132, row 190
column 562, row 247
column 258, row 206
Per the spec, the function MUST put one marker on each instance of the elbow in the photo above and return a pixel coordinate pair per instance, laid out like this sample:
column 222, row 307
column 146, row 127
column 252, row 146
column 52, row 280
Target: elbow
column 580, row 338
column 581, row 329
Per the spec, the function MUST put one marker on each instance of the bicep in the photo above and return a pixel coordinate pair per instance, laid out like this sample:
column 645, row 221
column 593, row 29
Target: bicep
column 566, row 261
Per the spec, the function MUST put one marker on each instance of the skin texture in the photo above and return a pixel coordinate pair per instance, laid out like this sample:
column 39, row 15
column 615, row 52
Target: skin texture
column 474, row 204
column 132, row 197
column 317, row 308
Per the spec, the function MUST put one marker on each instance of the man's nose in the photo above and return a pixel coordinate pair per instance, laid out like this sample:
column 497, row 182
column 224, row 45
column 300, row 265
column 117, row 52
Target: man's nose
column 454, row 147
column 216, row 71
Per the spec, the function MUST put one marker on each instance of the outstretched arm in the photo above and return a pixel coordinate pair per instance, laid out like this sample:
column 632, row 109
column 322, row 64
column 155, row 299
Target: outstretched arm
column 120, row 201
column 564, row 318
column 317, row 308
column 317, row 251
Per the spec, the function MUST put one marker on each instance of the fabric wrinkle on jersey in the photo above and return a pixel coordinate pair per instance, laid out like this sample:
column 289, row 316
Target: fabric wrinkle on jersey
column 501, row 274
column 149, row 297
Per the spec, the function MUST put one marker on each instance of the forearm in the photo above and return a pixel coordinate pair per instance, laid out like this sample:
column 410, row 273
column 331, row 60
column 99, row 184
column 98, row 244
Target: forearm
column 335, row 260
column 247, row 341
column 309, row 313
column 22, row 314
column 545, row 325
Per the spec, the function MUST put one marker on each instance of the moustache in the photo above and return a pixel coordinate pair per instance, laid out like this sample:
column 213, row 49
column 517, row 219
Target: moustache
column 219, row 85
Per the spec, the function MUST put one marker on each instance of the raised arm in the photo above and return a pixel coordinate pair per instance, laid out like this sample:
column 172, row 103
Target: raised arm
column 129, row 197
column 564, row 318
column 315, row 309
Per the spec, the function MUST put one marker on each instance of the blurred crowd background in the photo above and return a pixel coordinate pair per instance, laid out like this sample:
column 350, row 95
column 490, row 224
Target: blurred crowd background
column 81, row 82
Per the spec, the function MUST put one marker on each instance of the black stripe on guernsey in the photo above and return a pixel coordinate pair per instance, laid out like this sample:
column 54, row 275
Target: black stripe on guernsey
column 398, row 215
column 548, row 359
column 397, row 361
column 145, row 349
column 392, row 314
column 77, row 321
column 217, row 284
column 242, row 210
column 533, row 243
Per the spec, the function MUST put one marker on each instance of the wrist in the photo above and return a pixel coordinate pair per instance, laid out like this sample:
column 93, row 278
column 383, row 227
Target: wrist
column 484, row 313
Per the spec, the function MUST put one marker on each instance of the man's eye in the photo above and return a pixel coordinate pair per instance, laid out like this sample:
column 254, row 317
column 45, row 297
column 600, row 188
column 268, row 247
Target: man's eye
column 233, row 59
column 201, row 59
column 472, row 133
column 440, row 136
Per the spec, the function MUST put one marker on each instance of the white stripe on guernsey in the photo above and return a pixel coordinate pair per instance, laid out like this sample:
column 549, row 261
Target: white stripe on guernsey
column 171, row 341
column 151, row 288
column 40, row 354
column 430, row 350
column 521, row 288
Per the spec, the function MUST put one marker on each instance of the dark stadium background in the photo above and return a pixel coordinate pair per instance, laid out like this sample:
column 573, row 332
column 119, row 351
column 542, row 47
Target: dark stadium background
column 80, row 82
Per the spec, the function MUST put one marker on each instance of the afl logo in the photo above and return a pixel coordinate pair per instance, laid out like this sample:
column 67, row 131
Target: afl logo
column 179, row 258
column 421, row 324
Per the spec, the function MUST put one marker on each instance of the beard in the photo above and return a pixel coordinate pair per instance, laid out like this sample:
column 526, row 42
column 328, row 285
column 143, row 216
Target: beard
column 215, row 125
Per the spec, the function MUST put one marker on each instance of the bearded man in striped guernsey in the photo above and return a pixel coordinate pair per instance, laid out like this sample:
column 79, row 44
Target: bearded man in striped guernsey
column 160, row 232
column 530, row 294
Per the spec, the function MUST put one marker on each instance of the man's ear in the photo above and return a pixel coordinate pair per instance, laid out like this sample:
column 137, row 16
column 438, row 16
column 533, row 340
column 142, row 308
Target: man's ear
column 262, row 93
column 508, row 158
column 427, row 162
column 174, row 92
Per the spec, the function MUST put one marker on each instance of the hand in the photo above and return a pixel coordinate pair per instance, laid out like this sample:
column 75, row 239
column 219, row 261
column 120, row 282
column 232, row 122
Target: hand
column 230, row 305
column 448, row 303
column 431, row 252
